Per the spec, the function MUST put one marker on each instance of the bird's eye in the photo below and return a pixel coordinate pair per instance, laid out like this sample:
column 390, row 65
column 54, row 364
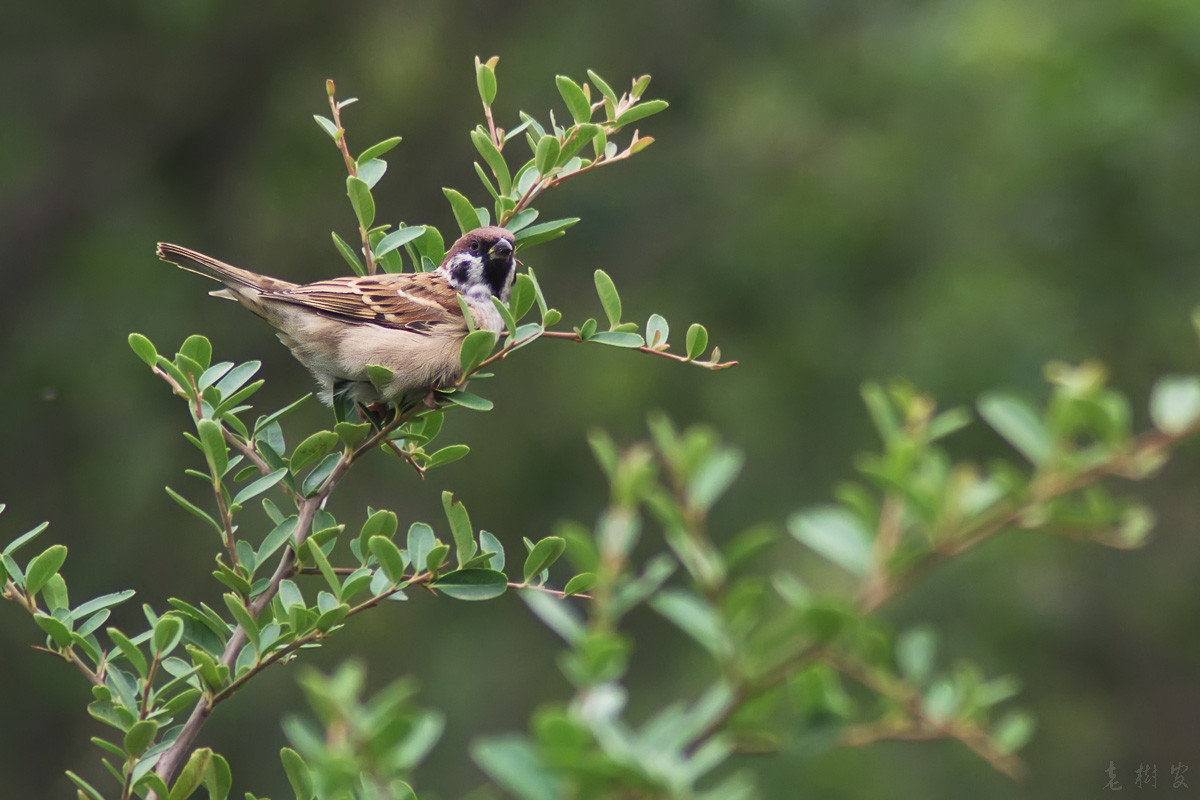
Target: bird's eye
column 474, row 245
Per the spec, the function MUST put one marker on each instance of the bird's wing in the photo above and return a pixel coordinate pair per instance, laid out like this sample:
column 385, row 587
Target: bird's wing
column 417, row 302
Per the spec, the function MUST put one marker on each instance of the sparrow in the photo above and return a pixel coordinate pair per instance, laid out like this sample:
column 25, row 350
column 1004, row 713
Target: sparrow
column 411, row 323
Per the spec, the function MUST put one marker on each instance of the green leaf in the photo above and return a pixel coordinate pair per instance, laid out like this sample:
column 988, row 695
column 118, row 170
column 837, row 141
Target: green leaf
column 476, row 347
column 361, row 200
column 327, row 125
column 397, row 239
column 198, row 349
column 697, row 341
column 543, row 554
column 257, row 487
column 54, row 593
column 488, row 543
column 1016, row 420
column 192, row 774
column 713, row 477
column 389, row 557
column 379, row 523
column 139, row 737
column 883, row 415
column 603, row 86
column 376, row 150
column 369, row 172
column 472, row 584
column 510, row 324
column 546, row 154
column 485, row 79
column 696, row 618
column 557, row 614
column 24, row 538
column 54, row 627
column 43, row 566
column 543, row 232
column 420, row 540
column 238, row 609
column 144, row 348
column 85, row 789
column 380, row 376
column 1175, row 403
column 236, row 378
column 524, row 294
column 914, row 654
column 447, row 455
column 436, row 557
column 1013, row 731
column 101, row 602
column 298, row 774
column 641, row 111
column 168, row 632
column 178, row 498
column 312, row 449
column 348, row 253
column 218, row 779
column 460, row 527
column 493, row 158
column 835, row 534
column 573, row 96
column 513, row 763
column 215, row 449
column 609, row 298
column 583, row 582
column 617, row 339
column 331, row 578
column 130, row 650
column 464, row 213
column 468, row 400
column 282, row 532
column 657, row 331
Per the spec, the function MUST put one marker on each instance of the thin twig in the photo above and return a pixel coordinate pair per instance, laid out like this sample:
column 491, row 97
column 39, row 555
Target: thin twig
column 712, row 365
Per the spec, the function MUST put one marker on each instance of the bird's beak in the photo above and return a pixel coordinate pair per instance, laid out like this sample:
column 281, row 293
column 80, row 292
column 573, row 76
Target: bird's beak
column 501, row 249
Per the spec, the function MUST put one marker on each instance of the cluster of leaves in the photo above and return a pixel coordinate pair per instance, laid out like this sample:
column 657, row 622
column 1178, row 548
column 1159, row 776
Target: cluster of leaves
column 284, row 592
column 803, row 658
column 556, row 153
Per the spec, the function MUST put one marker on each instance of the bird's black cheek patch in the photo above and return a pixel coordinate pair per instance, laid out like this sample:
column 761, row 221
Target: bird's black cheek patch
column 496, row 274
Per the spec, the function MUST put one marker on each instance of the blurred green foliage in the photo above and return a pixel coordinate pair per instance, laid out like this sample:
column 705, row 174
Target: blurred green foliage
column 953, row 191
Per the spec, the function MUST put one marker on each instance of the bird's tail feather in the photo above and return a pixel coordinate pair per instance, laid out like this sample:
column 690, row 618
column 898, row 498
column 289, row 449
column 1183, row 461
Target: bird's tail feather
column 197, row 262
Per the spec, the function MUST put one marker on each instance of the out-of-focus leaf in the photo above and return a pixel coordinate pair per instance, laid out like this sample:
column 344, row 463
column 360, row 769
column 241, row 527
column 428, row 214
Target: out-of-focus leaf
column 1175, row 403
column 1016, row 420
column 835, row 534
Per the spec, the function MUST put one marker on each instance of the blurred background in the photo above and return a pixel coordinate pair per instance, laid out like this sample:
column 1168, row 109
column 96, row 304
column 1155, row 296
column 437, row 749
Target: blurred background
column 952, row 191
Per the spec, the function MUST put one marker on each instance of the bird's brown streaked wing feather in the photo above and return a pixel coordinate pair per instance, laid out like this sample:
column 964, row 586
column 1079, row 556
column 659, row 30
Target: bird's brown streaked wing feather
column 413, row 302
